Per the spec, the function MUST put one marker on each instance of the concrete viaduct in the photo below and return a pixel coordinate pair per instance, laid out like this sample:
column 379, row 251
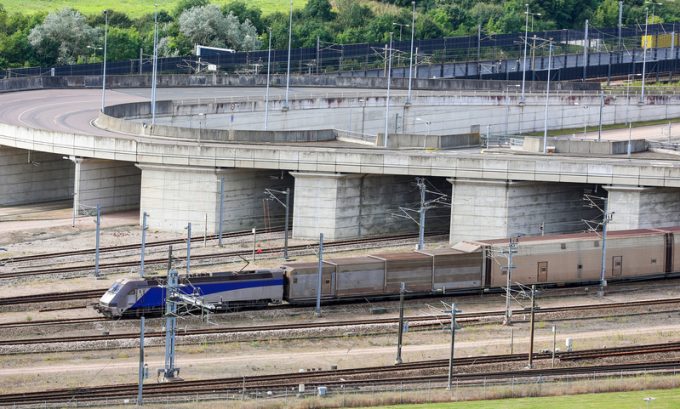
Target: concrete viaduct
column 56, row 144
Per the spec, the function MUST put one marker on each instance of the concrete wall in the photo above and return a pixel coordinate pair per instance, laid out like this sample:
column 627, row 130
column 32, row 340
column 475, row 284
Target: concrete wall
column 346, row 206
column 641, row 208
column 497, row 209
column 175, row 195
column 215, row 80
column 448, row 114
column 32, row 177
column 400, row 140
column 114, row 185
column 587, row 146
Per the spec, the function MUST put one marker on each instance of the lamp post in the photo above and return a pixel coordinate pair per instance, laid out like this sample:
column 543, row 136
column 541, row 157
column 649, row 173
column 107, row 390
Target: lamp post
column 524, row 64
column 401, row 26
column 644, row 58
column 106, row 31
column 547, row 99
column 266, row 95
column 290, row 38
column 410, row 64
column 387, row 99
column 507, row 106
column 427, row 125
column 154, row 65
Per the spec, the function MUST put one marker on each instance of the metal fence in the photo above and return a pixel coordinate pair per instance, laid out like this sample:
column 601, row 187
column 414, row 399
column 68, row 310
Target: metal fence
column 493, row 56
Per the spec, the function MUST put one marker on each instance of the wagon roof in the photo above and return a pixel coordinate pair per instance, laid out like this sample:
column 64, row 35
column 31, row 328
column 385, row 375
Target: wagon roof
column 440, row 252
column 345, row 261
column 575, row 236
column 411, row 255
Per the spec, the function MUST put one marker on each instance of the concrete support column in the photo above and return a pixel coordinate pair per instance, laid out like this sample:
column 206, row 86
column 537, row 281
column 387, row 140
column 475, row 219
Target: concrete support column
column 328, row 203
column 343, row 206
column 488, row 209
column 643, row 207
column 32, row 177
column 114, row 185
column 176, row 195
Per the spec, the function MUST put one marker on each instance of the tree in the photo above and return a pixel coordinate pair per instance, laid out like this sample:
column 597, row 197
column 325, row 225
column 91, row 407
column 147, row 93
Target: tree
column 184, row 5
column 318, row 10
column 206, row 25
column 63, row 37
column 244, row 12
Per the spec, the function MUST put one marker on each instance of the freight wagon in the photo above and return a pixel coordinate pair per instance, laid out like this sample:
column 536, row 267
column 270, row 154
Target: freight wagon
column 468, row 266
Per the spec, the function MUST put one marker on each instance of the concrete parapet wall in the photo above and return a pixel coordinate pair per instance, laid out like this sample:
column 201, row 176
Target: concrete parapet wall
column 586, row 146
column 137, row 110
column 32, row 177
column 215, row 80
column 396, row 141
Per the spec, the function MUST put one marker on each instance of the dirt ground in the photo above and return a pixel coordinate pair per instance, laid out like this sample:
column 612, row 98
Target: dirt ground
column 39, row 371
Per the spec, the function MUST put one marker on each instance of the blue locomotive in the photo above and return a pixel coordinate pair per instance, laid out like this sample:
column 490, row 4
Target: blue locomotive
column 226, row 291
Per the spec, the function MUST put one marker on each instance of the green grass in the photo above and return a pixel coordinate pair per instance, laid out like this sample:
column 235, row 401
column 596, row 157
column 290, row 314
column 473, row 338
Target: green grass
column 665, row 399
column 133, row 8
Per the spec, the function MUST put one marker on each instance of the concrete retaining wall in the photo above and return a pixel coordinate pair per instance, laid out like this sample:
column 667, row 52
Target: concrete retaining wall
column 215, row 80
column 396, row 141
column 114, row 185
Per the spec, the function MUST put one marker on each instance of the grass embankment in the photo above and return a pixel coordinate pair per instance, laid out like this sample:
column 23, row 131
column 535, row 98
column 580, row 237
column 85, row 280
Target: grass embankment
column 133, row 8
column 663, row 399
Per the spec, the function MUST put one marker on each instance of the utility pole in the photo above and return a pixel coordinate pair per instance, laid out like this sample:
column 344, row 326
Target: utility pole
column 422, row 210
column 479, row 51
column 271, row 193
column 143, row 250
column 425, row 205
column 524, row 65
column 585, row 52
column 620, row 23
column 106, row 32
column 320, row 277
column 290, row 39
column 512, row 249
column 221, row 221
column 142, row 371
column 547, row 100
column 266, row 95
column 410, row 64
column 454, row 327
column 554, row 331
column 599, row 129
column 387, row 99
column 400, row 334
column 644, row 58
column 97, row 233
column 592, row 202
column 169, row 372
column 531, row 336
column 188, row 248
column 154, row 73
column 254, row 242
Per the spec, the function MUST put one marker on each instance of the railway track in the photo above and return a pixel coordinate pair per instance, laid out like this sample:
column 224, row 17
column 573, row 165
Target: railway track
column 164, row 260
column 439, row 320
column 124, row 247
column 348, row 378
column 51, row 297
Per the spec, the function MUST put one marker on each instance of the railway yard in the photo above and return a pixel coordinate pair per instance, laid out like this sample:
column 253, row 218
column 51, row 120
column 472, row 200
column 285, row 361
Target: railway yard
column 57, row 351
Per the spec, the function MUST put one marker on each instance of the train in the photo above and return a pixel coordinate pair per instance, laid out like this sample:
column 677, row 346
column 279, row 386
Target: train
column 468, row 266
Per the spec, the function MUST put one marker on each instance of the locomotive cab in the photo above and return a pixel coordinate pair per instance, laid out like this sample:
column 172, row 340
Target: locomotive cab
column 122, row 294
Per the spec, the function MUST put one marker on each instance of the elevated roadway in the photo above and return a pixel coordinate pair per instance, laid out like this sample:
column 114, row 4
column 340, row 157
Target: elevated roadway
column 328, row 175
